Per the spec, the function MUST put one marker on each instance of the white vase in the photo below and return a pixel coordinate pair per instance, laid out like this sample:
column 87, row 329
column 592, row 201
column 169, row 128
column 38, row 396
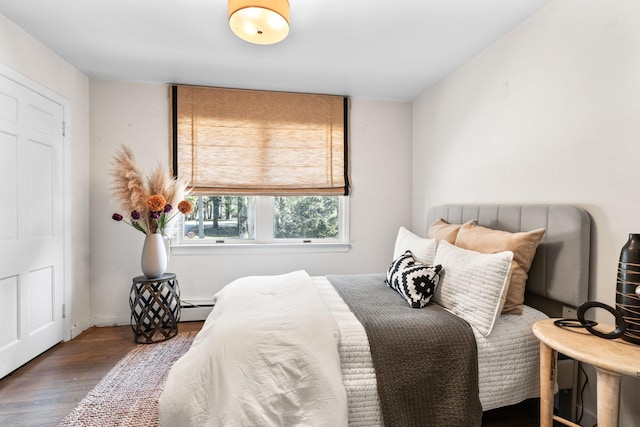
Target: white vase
column 154, row 256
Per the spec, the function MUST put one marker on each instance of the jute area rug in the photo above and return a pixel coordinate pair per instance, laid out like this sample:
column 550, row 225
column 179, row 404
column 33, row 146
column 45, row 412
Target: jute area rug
column 128, row 394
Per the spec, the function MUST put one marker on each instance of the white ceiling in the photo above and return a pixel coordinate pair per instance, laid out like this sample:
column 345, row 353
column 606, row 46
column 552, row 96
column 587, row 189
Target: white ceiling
column 382, row 49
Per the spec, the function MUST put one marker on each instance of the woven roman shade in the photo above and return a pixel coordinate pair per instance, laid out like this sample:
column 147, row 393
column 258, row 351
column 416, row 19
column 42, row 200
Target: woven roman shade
column 233, row 142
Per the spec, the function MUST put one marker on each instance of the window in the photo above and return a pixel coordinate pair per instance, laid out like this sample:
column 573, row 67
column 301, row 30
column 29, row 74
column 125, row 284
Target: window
column 265, row 167
column 264, row 219
column 306, row 217
column 220, row 218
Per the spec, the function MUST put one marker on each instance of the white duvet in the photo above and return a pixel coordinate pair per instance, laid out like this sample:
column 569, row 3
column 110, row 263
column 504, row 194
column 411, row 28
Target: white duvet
column 266, row 356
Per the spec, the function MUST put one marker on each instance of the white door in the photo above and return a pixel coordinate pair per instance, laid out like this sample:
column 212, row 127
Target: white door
column 31, row 224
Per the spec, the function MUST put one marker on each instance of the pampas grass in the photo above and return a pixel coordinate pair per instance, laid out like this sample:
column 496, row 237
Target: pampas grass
column 132, row 190
column 129, row 187
column 160, row 182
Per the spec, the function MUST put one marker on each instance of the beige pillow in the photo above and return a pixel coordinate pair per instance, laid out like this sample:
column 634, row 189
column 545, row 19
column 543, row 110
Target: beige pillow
column 442, row 230
column 522, row 244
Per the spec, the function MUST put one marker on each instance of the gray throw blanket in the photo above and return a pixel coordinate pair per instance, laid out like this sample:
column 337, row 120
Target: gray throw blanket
column 426, row 360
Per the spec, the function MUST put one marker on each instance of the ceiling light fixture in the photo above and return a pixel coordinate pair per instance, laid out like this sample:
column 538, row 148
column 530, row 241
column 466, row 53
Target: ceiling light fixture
column 259, row 21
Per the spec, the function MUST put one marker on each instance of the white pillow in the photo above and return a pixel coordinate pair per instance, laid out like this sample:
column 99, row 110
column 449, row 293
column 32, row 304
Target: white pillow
column 473, row 285
column 422, row 250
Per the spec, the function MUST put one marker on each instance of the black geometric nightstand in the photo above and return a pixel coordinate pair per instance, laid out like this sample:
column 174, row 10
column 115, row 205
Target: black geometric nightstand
column 155, row 308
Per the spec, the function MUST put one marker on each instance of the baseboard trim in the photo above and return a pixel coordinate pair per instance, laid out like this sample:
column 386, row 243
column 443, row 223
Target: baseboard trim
column 79, row 327
column 195, row 310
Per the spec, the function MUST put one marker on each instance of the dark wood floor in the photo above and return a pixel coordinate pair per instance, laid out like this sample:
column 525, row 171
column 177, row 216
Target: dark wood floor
column 44, row 390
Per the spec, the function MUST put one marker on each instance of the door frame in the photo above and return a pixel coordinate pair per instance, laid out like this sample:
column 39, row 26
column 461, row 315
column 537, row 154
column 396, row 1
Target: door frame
column 34, row 86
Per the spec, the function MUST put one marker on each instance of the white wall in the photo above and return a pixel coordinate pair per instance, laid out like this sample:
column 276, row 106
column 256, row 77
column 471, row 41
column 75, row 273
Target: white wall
column 27, row 56
column 137, row 115
column 549, row 113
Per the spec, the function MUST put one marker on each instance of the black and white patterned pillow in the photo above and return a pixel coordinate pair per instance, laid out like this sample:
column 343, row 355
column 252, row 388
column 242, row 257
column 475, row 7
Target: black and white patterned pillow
column 414, row 281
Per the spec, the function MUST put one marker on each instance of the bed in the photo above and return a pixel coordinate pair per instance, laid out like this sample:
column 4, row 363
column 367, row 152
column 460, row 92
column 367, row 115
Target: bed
column 348, row 350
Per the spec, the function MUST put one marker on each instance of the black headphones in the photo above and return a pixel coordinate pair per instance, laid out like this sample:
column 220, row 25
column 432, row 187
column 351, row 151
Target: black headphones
column 580, row 322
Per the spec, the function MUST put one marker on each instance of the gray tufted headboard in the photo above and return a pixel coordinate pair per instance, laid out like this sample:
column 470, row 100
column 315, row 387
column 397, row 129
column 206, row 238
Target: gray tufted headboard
column 559, row 275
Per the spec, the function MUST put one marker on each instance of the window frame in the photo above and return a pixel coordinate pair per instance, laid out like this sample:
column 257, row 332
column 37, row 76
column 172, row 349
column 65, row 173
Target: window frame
column 264, row 236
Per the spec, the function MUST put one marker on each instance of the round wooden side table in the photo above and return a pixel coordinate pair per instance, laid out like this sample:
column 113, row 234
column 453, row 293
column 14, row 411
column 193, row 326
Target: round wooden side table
column 155, row 308
column 611, row 359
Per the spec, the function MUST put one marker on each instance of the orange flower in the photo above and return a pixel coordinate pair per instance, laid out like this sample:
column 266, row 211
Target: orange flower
column 185, row 207
column 156, row 203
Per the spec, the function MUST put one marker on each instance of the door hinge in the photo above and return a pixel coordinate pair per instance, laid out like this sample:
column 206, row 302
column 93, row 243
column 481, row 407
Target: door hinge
column 64, row 311
column 64, row 128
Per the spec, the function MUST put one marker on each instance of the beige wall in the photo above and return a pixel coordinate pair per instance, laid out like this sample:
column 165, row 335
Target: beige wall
column 137, row 115
column 549, row 113
column 27, row 56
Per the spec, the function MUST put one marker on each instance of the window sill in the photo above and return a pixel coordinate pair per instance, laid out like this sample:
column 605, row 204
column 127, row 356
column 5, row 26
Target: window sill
column 258, row 248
